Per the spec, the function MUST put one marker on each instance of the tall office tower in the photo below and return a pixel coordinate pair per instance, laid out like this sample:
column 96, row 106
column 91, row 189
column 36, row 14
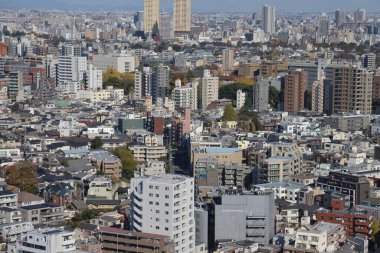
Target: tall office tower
column 340, row 17
column 164, row 204
column 352, row 90
column 261, row 95
column 93, row 78
column 151, row 15
column 240, row 99
column 324, row 27
column 138, row 19
column 71, row 50
column 317, row 96
column 269, row 19
column 294, row 91
column 369, row 61
column 71, row 69
column 15, row 85
column 182, row 16
column 210, row 89
column 228, row 60
column 166, row 27
column 161, row 81
column 143, row 83
column 360, row 15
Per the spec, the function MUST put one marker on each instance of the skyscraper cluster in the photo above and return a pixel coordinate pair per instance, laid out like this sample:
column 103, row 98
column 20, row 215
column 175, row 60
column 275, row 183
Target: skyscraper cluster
column 181, row 21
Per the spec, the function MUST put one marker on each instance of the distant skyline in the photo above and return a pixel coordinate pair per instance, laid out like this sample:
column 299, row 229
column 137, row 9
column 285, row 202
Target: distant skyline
column 200, row 5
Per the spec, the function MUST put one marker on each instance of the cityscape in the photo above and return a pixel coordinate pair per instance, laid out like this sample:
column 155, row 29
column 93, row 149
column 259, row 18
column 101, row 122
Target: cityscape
column 188, row 126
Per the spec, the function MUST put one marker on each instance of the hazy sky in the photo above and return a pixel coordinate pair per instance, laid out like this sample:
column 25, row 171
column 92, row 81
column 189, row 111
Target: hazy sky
column 201, row 5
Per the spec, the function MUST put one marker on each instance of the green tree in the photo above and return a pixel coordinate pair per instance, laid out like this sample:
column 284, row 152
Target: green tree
column 229, row 113
column 375, row 236
column 15, row 107
column 126, row 81
column 96, row 143
column 128, row 161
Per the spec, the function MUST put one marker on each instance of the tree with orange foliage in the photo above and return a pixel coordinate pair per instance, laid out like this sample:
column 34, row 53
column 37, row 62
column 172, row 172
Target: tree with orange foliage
column 23, row 175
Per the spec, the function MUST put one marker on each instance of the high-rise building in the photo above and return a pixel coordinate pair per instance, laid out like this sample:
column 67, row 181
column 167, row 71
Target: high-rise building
column 352, row 90
column 369, row 61
column 71, row 69
column 182, row 16
column 260, row 95
column 160, row 84
column 324, row 27
column 164, row 204
column 269, row 19
column 151, row 15
column 71, row 50
column 317, row 96
column 376, row 85
column 185, row 96
column 138, row 19
column 294, row 91
column 15, row 85
column 240, row 99
column 340, row 17
column 228, row 60
column 210, row 89
column 360, row 15
column 93, row 78
column 143, row 83
column 165, row 27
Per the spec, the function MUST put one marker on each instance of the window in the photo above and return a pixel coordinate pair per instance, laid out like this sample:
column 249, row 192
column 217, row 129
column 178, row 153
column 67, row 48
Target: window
column 157, row 227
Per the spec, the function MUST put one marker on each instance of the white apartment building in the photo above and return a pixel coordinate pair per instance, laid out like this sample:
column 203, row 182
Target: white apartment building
column 71, row 69
column 94, row 78
column 144, row 153
column 49, row 240
column 120, row 62
column 164, row 204
column 210, row 89
column 185, row 97
column 101, row 187
column 240, row 99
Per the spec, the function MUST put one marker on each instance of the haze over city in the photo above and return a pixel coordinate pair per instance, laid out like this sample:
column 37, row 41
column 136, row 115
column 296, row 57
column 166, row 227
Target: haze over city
column 200, row 5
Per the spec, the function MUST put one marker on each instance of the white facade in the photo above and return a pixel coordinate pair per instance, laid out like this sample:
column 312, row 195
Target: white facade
column 101, row 187
column 210, row 89
column 269, row 19
column 164, row 204
column 240, row 99
column 185, row 97
column 94, row 78
column 71, row 69
column 49, row 240
column 121, row 63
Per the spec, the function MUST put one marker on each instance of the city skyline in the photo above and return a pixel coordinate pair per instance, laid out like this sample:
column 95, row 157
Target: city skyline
column 199, row 5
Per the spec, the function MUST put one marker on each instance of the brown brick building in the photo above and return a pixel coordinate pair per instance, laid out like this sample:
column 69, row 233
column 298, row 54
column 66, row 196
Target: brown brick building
column 294, row 91
column 356, row 222
column 119, row 240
